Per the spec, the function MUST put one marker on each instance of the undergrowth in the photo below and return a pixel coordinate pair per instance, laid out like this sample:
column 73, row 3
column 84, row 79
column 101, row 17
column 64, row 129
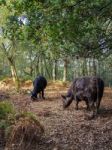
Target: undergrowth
column 19, row 128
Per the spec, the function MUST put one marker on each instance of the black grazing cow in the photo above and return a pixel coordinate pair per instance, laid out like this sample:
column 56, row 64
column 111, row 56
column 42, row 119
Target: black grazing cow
column 39, row 84
column 89, row 89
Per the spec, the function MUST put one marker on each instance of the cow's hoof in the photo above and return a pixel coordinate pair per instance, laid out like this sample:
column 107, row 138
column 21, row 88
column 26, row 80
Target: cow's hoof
column 34, row 99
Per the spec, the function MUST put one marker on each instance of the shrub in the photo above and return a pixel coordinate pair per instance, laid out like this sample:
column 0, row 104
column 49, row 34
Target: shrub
column 20, row 128
column 6, row 108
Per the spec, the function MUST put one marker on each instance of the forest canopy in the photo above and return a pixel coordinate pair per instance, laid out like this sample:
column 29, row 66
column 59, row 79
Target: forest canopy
column 60, row 39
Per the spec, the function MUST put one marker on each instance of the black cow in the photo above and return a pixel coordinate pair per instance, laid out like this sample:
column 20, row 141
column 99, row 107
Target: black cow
column 39, row 84
column 89, row 89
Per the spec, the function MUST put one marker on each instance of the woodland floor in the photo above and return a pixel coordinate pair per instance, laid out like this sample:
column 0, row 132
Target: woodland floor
column 66, row 129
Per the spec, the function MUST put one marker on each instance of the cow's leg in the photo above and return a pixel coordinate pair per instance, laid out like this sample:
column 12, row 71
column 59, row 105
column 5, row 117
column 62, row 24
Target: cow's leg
column 91, row 103
column 87, row 104
column 40, row 95
column 98, row 104
column 77, row 102
column 43, row 94
column 95, row 107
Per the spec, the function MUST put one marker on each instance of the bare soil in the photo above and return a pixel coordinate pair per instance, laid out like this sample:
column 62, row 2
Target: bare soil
column 66, row 129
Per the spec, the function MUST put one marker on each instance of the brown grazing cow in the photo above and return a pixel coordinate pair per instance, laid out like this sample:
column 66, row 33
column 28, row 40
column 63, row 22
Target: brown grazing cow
column 89, row 89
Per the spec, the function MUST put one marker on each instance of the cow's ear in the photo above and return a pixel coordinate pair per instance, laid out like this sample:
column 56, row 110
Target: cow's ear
column 64, row 97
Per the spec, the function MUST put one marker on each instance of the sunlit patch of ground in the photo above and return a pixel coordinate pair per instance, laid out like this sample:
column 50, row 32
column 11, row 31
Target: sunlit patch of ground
column 67, row 129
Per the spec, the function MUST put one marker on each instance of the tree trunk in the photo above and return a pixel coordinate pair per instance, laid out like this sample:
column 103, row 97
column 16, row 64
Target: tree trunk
column 43, row 66
column 84, row 67
column 14, row 76
column 94, row 67
column 89, row 66
column 99, row 67
column 65, row 70
column 31, row 69
column 40, row 66
column 12, row 65
column 48, row 73
column 54, row 71
column 77, row 67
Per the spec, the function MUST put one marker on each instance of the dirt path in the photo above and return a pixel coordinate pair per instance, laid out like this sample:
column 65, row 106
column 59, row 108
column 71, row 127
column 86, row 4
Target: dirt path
column 70, row 129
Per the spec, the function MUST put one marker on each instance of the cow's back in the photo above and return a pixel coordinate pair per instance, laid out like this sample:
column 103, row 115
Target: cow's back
column 40, row 83
column 94, row 85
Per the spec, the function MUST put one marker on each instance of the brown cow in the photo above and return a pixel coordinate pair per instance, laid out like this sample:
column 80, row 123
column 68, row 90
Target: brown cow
column 89, row 89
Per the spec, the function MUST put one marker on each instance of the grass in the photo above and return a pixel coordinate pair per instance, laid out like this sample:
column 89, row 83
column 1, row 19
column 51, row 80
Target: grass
column 6, row 108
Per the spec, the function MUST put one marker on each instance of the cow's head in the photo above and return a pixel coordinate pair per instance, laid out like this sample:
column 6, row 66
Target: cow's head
column 66, row 100
column 33, row 96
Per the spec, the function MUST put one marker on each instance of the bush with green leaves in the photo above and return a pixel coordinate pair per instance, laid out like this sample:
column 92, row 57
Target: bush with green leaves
column 17, row 125
column 6, row 108
column 6, row 114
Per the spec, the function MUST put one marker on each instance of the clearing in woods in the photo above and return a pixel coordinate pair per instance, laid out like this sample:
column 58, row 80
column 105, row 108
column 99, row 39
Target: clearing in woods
column 66, row 129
